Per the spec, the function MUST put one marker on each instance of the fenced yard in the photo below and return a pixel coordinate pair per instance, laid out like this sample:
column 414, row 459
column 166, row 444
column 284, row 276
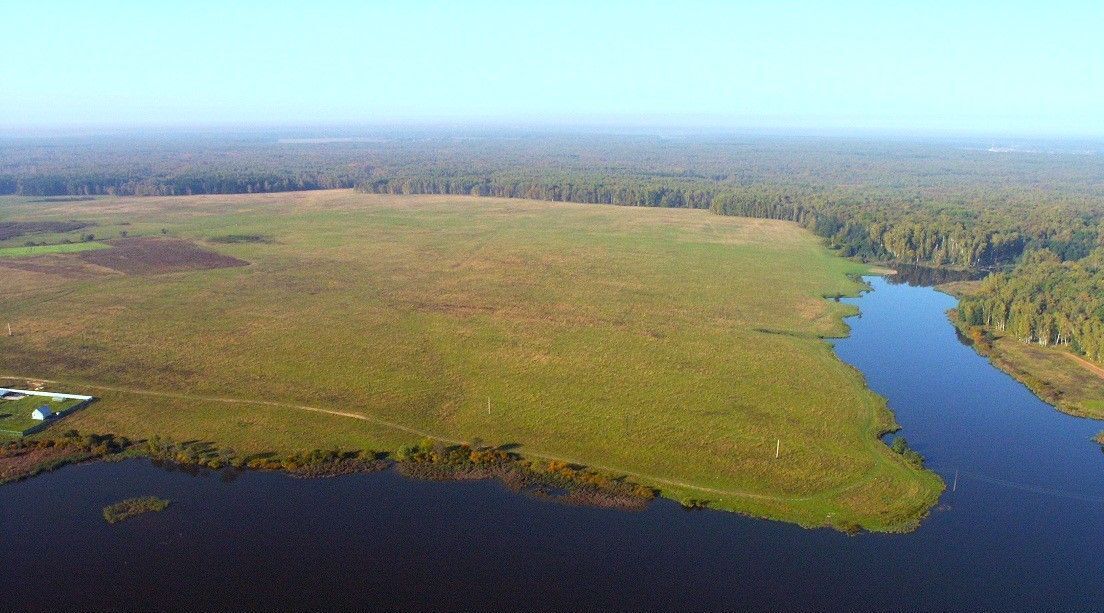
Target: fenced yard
column 16, row 407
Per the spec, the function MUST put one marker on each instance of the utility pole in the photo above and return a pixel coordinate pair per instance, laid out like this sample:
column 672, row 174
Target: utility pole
column 777, row 448
column 488, row 405
column 9, row 329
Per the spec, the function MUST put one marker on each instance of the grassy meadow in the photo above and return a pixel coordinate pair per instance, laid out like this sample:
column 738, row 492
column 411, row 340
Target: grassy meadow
column 671, row 346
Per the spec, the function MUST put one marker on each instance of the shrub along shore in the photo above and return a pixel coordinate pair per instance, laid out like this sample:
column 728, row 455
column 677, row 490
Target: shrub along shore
column 431, row 460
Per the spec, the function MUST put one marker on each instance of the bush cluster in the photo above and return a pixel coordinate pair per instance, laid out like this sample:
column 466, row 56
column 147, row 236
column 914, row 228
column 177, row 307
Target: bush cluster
column 192, row 453
column 901, row 446
column 467, row 457
column 198, row 453
column 577, row 476
column 318, row 458
column 437, row 452
column 93, row 444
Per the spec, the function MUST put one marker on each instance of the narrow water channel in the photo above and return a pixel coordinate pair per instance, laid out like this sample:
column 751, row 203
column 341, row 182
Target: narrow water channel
column 1024, row 528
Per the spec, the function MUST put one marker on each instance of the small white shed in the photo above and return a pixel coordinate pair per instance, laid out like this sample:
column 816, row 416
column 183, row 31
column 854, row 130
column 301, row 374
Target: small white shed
column 42, row 413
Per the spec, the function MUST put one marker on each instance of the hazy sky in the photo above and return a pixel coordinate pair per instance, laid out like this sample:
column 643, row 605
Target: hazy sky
column 1024, row 67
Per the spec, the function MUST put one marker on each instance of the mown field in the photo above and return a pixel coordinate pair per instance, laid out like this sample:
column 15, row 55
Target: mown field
column 671, row 346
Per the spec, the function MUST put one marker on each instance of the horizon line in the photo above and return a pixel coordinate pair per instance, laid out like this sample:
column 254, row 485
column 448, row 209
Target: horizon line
column 349, row 129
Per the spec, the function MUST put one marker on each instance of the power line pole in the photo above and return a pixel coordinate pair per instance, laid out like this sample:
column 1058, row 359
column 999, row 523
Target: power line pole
column 777, row 448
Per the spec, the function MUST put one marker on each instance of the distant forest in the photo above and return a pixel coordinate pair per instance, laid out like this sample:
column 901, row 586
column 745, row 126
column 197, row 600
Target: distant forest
column 943, row 203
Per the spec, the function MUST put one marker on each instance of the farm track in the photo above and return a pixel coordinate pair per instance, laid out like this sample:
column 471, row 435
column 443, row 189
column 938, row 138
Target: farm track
column 422, row 433
column 1087, row 364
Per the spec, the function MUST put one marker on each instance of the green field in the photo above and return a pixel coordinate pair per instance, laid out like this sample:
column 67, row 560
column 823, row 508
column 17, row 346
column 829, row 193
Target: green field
column 25, row 251
column 672, row 346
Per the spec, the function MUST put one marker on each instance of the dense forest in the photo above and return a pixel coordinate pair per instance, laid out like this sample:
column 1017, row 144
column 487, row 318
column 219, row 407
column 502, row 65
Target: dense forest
column 956, row 203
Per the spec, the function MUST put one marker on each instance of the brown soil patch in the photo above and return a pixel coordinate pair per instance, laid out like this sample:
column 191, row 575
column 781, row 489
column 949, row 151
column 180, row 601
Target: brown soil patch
column 12, row 229
column 151, row 256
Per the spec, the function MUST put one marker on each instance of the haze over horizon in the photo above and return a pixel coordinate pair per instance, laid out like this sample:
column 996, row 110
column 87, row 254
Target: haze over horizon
column 1000, row 68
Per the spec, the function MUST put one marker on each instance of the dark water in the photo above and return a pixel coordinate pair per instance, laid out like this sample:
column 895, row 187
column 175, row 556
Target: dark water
column 1025, row 528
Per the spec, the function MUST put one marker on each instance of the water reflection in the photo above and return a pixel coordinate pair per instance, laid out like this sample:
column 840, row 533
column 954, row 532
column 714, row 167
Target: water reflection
column 924, row 276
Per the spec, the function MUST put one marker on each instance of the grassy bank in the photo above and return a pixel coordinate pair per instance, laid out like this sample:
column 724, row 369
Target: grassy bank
column 674, row 347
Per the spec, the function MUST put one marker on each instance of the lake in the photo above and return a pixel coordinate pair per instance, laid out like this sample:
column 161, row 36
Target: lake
column 1023, row 528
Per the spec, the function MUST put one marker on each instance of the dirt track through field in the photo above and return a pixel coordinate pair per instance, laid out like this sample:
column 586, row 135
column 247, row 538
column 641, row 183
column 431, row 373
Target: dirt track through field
column 417, row 432
column 1087, row 364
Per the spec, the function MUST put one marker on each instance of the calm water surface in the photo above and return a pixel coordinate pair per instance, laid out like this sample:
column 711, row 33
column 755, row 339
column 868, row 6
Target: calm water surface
column 1024, row 529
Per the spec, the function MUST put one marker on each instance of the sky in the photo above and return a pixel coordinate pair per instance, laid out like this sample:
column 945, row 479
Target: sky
column 998, row 67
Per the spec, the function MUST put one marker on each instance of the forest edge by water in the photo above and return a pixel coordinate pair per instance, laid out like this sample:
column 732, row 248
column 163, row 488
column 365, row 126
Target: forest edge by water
column 1055, row 374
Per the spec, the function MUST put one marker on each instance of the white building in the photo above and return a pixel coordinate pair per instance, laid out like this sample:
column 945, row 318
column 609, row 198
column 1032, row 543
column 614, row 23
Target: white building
column 42, row 413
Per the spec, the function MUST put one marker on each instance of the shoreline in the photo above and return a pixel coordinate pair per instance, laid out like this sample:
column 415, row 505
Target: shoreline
column 554, row 481
column 803, row 510
column 551, row 480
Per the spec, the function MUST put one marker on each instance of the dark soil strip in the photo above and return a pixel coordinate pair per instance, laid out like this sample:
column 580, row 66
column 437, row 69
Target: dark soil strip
column 12, row 229
column 151, row 256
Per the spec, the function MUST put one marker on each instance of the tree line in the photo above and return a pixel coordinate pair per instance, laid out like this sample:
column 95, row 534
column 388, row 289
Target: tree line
column 82, row 185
